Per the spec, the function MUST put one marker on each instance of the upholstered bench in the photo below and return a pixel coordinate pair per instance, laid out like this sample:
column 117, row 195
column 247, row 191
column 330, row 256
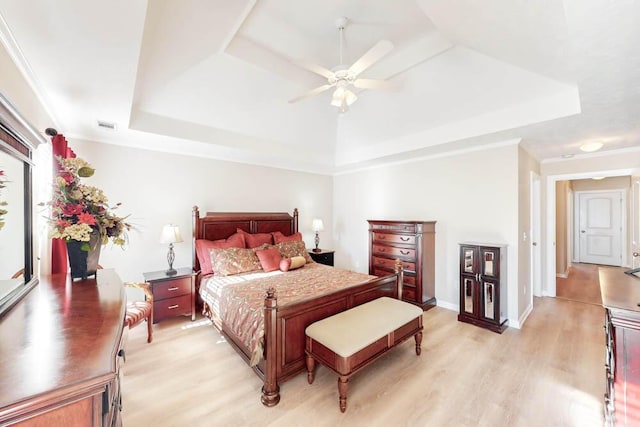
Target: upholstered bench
column 351, row 340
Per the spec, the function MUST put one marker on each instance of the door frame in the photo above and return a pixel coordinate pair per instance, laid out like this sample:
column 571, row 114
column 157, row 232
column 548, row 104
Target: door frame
column 575, row 230
column 549, row 244
column 535, row 236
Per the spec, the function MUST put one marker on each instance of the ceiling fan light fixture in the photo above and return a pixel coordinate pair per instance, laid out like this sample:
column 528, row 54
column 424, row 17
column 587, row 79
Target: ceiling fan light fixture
column 342, row 97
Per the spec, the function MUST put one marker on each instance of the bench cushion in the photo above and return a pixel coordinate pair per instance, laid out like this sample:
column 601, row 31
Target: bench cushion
column 350, row 331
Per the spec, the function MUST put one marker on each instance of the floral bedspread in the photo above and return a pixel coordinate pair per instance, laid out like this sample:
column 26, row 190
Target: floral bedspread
column 237, row 301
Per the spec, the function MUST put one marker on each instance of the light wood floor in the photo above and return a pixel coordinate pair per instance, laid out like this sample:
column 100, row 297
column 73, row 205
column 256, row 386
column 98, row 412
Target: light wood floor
column 582, row 284
column 550, row 373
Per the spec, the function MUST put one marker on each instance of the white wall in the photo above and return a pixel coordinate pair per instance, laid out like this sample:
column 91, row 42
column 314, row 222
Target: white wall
column 472, row 196
column 159, row 188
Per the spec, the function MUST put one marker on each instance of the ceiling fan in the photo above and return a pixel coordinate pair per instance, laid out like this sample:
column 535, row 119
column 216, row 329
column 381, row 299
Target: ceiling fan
column 341, row 76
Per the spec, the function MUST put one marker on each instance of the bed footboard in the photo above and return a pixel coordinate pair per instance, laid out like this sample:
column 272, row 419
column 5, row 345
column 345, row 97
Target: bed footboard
column 284, row 326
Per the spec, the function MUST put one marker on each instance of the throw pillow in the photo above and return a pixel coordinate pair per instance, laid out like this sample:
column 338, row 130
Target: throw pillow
column 279, row 237
column 226, row 262
column 204, row 246
column 292, row 263
column 291, row 249
column 269, row 259
column 256, row 239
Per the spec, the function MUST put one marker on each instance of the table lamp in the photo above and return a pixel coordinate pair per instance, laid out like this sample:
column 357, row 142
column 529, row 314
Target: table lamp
column 171, row 234
column 317, row 225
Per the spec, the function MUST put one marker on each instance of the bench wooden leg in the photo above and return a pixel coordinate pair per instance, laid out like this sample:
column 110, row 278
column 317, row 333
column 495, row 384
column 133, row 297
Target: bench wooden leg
column 343, row 385
column 418, row 338
column 311, row 364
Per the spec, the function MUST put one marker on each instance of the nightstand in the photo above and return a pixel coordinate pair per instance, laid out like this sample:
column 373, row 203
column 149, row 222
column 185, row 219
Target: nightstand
column 323, row 257
column 173, row 295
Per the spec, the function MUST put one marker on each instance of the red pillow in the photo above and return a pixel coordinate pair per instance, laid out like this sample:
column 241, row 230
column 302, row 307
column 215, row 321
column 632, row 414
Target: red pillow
column 279, row 237
column 269, row 259
column 255, row 240
column 204, row 246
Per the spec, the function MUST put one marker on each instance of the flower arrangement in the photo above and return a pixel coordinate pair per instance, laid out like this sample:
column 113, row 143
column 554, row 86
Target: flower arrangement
column 3, row 203
column 79, row 210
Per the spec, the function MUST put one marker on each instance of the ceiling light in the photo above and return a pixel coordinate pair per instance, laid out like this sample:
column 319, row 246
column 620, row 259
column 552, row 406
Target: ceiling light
column 343, row 97
column 590, row 147
column 598, row 178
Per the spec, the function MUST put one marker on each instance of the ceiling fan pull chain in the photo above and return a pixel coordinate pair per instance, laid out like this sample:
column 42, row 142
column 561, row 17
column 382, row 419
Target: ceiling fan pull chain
column 341, row 41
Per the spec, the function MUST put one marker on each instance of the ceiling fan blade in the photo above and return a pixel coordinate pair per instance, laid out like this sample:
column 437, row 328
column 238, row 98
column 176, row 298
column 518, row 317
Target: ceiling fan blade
column 315, row 68
column 373, row 55
column 374, row 84
column 312, row 92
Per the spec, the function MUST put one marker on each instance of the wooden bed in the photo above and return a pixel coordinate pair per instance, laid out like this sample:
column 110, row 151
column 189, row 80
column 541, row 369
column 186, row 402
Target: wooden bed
column 284, row 326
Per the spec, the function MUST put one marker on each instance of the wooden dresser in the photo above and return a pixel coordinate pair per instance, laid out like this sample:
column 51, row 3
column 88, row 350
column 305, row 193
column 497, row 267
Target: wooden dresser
column 413, row 242
column 61, row 351
column 621, row 300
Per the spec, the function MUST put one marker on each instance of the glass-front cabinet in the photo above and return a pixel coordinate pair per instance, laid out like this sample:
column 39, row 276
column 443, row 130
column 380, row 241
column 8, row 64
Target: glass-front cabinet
column 483, row 285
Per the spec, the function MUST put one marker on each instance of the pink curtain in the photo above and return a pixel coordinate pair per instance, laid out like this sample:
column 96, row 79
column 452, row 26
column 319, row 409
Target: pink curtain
column 59, row 262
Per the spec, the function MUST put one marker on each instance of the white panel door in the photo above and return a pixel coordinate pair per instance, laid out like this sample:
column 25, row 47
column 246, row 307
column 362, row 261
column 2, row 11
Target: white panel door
column 600, row 221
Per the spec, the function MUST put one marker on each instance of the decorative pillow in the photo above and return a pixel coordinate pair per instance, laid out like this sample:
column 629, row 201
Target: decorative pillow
column 255, row 240
column 279, row 237
column 291, row 249
column 226, row 262
column 204, row 246
column 292, row 263
column 269, row 259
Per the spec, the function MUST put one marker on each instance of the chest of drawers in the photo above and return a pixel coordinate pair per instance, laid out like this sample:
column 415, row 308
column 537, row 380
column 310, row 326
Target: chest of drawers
column 413, row 242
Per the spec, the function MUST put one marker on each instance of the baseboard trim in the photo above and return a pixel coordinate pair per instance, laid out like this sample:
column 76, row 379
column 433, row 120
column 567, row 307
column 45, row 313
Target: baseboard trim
column 448, row 305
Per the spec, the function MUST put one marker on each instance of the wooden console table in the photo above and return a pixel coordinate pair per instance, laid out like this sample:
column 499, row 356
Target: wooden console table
column 61, row 351
column 621, row 300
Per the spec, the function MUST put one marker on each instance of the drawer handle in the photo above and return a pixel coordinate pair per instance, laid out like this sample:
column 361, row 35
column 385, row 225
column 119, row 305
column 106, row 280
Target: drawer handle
column 382, row 250
column 173, row 307
column 380, row 262
column 175, row 288
column 382, row 237
column 404, row 252
column 404, row 239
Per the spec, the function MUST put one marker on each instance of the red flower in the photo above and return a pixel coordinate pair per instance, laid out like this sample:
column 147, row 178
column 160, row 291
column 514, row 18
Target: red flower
column 86, row 218
column 67, row 177
column 63, row 223
column 71, row 209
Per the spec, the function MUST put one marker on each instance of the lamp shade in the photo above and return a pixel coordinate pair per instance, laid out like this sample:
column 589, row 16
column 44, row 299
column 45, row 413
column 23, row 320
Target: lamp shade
column 170, row 234
column 317, row 225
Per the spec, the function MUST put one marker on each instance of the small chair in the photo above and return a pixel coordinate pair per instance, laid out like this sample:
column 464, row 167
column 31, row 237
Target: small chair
column 137, row 311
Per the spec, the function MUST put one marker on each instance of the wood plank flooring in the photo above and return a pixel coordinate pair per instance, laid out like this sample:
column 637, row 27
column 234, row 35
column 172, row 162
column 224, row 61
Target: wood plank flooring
column 550, row 373
column 582, row 284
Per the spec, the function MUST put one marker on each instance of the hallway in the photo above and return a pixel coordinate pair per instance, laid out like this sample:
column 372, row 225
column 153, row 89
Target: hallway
column 581, row 285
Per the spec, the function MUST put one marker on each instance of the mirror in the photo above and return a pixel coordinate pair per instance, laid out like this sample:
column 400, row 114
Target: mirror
column 12, row 223
column 468, row 295
column 489, row 306
column 468, row 260
column 488, row 263
column 17, row 142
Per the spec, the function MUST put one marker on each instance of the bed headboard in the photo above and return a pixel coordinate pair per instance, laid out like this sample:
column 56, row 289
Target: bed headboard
column 221, row 225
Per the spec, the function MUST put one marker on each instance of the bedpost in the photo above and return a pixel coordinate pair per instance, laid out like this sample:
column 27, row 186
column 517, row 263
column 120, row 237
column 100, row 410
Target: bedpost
column 195, row 217
column 399, row 271
column 295, row 220
column 270, row 389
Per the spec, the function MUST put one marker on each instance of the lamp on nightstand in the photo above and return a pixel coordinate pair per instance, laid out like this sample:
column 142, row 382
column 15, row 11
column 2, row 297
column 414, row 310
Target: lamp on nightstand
column 316, row 225
column 171, row 234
